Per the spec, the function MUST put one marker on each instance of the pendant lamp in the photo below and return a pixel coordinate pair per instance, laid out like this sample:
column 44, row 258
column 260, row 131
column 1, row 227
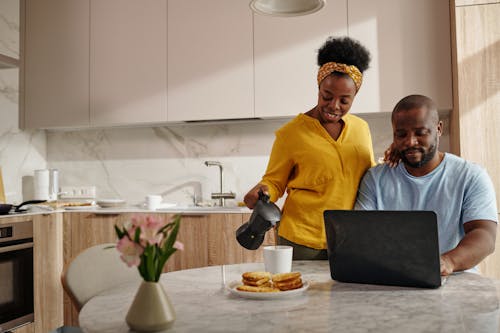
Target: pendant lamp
column 286, row 7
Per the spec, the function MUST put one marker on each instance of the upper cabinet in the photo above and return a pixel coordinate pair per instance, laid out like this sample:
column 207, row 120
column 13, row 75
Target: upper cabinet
column 210, row 61
column 96, row 63
column 56, row 63
column 128, row 68
column 411, row 51
column 125, row 62
column 285, row 50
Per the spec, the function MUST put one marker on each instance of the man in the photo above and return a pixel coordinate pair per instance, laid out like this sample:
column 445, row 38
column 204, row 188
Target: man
column 459, row 192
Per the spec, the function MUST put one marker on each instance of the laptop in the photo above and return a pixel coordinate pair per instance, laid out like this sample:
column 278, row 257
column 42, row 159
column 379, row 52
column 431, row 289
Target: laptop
column 398, row 248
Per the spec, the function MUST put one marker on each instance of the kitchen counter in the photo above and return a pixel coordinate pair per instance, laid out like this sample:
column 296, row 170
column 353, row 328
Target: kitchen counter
column 466, row 303
column 131, row 209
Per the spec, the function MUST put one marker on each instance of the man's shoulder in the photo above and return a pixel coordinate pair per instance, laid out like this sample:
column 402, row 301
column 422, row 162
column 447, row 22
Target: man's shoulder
column 458, row 163
column 380, row 170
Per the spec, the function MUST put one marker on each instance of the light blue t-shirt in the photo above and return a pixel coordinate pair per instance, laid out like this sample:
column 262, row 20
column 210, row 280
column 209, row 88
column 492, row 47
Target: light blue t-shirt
column 457, row 191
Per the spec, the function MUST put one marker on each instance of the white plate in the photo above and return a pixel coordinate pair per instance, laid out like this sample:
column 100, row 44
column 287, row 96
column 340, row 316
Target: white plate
column 88, row 207
column 111, row 203
column 271, row 295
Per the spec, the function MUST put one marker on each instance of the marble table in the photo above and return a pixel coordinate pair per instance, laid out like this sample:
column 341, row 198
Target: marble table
column 466, row 303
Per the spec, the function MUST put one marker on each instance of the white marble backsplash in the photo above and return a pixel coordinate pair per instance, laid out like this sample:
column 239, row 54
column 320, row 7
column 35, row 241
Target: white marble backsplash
column 21, row 152
column 129, row 163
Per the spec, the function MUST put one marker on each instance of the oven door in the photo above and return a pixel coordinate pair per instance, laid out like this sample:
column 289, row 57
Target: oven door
column 16, row 285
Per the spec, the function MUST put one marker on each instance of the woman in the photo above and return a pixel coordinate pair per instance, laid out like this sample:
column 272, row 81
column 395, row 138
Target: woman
column 319, row 157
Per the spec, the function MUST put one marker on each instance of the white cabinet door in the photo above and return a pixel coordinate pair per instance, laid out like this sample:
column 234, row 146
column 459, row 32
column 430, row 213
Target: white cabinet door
column 128, row 63
column 56, row 63
column 286, row 50
column 210, row 63
column 410, row 45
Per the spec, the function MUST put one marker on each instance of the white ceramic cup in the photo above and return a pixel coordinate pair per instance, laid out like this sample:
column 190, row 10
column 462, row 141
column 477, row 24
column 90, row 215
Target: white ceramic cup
column 153, row 201
column 278, row 258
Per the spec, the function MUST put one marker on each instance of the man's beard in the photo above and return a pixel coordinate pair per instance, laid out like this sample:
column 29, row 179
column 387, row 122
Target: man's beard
column 426, row 157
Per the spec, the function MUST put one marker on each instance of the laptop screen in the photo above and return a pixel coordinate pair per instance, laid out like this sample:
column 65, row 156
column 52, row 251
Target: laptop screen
column 383, row 247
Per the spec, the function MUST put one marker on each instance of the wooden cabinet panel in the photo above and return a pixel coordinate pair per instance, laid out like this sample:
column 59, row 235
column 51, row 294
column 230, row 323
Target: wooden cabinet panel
column 48, row 266
column 285, row 51
column 81, row 231
column 410, row 46
column 478, row 70
column 56, row 64
column 210, row 62
column 128, row 63
column 193, row 233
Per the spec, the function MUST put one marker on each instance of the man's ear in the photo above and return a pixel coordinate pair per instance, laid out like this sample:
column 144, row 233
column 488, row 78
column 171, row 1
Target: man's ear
column 440, row 128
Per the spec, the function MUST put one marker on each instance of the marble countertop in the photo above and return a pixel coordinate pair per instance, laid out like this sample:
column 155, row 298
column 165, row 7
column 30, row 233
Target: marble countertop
column 466, row 303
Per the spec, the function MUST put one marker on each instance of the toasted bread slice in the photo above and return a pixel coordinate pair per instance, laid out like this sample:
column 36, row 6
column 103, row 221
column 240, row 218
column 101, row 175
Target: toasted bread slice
column 255, row 276
column 257, row 289
column 256, row 282
column 289, row 284
column 280, row 277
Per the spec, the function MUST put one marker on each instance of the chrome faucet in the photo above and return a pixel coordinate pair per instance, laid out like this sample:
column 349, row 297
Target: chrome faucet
column 220, row 195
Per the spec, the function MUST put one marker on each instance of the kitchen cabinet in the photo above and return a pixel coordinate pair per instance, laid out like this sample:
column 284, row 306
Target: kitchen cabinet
column 410, row 46
column 56, row 64
column 475, row 117
column 81, row 231
column 47, row 268
column 128, row 67
column 285, row 51
column 48, row 265
column 210, row 61
column 105, row 63
column 94, row 63
column 209, row 239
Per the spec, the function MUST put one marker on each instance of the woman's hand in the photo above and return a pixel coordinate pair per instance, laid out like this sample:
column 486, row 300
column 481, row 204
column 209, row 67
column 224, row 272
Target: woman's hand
column 253, row 195
column 391, row 156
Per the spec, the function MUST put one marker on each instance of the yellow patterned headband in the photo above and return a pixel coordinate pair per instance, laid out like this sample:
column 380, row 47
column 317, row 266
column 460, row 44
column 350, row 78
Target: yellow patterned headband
column 350, row 70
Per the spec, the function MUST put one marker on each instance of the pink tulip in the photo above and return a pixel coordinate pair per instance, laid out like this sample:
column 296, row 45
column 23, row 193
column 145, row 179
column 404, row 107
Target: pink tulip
column 179, row 246
column 149, row 231
column 131, row 252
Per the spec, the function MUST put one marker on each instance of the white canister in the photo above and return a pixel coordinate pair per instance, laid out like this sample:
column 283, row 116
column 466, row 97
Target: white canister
column 41, row 184
column 53, row 184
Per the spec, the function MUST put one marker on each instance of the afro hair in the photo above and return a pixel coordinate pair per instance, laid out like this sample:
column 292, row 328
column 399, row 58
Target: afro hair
column 344, row 50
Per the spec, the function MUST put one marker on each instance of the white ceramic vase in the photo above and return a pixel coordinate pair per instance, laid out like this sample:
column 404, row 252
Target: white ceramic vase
column 151, row 309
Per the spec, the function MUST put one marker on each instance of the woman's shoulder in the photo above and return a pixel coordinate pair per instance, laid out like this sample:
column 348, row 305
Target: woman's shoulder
column 298, row 121
column 355, row 120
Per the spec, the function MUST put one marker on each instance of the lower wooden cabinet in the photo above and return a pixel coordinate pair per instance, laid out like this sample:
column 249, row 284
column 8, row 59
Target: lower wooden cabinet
column 47, row 268
column 209, row 239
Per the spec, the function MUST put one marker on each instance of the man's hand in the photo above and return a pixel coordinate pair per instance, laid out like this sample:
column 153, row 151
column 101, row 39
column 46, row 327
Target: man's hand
column 477, row 244
column 252, row 196
column 447, row 266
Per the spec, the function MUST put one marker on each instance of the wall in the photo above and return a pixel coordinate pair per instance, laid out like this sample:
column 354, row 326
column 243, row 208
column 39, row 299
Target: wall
column 21, row 152
column 129, row 163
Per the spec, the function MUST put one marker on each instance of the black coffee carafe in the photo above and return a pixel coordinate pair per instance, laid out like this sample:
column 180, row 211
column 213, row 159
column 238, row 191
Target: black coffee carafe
column 265, row 215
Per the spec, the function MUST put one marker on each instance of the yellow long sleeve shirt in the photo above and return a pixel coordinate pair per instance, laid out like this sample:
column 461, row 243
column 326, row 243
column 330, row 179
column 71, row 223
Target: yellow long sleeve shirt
column 317, row 172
